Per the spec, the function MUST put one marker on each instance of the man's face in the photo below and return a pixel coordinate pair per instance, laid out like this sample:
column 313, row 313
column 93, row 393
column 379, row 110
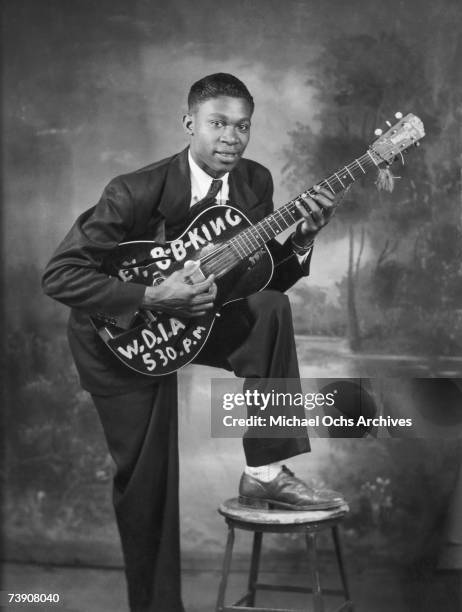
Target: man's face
column 219, row 130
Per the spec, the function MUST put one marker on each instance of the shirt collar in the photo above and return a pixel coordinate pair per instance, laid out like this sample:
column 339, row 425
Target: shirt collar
column 201, row 181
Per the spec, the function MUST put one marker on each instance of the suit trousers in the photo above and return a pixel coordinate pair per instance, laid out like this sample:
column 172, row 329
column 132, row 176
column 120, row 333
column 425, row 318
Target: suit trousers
column 254, row 338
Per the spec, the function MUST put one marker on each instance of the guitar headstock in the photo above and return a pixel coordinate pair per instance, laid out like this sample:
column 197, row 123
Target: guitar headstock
column 406, row 132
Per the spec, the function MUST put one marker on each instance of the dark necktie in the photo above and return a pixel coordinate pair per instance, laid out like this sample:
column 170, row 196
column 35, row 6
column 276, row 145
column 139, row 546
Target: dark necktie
column 173, row 230
column 209, row 198
column 214, row 188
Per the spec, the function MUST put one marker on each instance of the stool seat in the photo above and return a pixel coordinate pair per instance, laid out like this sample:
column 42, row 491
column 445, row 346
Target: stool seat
column 232, row 509
column 260, row 521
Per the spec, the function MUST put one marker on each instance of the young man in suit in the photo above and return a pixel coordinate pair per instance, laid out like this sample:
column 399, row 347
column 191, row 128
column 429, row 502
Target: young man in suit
column 253, row 337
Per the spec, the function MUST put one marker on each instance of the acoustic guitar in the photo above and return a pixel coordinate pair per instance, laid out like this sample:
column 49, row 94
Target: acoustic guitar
column 221, row 241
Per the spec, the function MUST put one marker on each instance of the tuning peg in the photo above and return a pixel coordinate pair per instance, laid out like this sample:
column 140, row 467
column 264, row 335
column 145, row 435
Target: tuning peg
column 378, row 132
column 399, row 115
column 388, row 123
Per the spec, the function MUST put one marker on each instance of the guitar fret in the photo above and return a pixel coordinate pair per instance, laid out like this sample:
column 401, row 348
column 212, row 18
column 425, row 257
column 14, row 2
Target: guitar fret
column 357, row 161
column 295, row 214
column 241, row 245
column 234, row 246
column 348, row 170
column 329, row 185
column 339, row 180
column 257, row 231
column 280, row 212
column 282, row 219
column 370, row 155
column 276, row 221
column 283, row 210
column 292, row 217
column 278, row 227
column 265, row 230
column 251, row 238
column 261, row 239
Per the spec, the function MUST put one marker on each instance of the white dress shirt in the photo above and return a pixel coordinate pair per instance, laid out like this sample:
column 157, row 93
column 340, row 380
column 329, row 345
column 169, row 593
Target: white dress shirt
column 201, row 181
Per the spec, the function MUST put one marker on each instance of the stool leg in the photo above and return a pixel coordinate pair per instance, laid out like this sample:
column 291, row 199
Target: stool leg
column 226, row 568
column 313, row 557
column 254, row 565
column 341, row 565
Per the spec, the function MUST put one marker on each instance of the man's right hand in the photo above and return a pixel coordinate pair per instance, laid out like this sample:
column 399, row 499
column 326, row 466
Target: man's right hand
column 178, row 296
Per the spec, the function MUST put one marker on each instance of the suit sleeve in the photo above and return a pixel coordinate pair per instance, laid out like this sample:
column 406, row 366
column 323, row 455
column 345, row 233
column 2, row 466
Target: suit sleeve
column 288, row 267
column 74, row 275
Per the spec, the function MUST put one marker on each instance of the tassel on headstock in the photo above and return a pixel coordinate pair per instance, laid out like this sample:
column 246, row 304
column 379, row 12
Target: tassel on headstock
column 385, row 180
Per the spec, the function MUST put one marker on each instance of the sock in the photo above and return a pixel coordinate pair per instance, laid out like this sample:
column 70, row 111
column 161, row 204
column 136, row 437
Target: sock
column 265, row 473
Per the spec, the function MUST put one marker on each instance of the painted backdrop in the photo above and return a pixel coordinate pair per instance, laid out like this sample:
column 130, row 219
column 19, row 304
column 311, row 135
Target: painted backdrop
column 95, row 89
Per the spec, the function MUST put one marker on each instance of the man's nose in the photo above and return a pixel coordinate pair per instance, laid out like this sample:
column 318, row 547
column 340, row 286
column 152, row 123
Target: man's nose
column 229, row 135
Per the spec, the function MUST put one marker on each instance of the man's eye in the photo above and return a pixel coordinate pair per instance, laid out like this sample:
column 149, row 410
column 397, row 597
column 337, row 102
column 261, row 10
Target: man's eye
column 244, row 127
column 217, row 123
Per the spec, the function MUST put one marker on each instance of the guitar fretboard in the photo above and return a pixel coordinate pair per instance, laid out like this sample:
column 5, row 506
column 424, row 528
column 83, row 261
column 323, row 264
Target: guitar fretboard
column 254, row 237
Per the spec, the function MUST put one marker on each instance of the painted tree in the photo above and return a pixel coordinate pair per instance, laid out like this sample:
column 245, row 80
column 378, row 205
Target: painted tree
column 360, row 81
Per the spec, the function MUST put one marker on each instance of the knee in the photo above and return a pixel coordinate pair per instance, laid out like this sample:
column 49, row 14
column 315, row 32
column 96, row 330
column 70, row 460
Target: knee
column 272, row 302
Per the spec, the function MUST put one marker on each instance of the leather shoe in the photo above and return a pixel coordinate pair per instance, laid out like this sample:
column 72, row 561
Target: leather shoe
column 286, row 492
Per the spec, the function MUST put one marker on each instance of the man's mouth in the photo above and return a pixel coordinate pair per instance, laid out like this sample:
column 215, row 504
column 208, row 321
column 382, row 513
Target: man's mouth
column 227, row 154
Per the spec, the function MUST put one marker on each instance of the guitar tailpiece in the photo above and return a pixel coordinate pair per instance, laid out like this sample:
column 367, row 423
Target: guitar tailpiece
column 106, row 319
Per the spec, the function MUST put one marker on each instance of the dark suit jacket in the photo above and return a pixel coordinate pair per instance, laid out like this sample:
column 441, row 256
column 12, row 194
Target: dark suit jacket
column 140, row 206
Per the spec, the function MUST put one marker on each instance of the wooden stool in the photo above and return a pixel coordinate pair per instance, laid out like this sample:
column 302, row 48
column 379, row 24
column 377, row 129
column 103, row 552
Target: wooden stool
column 281, row 521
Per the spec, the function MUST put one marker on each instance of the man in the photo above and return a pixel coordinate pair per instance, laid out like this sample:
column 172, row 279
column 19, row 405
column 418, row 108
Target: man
column 253, row 337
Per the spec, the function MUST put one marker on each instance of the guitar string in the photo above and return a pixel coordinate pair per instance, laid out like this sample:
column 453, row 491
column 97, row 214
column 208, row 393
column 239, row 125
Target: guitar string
column 253, row 232
column 244, row 245
column 220, row 256
column 221, row 259
column 279, row 211
column 224, row 252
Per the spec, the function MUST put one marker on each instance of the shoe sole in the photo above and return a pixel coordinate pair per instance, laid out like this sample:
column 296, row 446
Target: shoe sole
column 270, row 504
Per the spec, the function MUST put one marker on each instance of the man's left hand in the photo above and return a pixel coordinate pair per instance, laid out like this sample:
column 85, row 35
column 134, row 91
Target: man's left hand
column 316, row 211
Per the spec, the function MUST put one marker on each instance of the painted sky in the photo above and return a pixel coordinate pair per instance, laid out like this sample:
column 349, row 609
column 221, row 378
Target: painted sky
column 95, row 89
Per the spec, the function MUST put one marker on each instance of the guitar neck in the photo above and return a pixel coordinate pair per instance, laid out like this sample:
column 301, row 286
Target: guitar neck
column 254, row 237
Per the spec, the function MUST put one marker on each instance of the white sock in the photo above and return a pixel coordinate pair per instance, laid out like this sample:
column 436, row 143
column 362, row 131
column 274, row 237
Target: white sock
column 265, row 473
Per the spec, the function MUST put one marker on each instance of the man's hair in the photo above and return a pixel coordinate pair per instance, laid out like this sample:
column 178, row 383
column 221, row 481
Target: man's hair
column 219, row 84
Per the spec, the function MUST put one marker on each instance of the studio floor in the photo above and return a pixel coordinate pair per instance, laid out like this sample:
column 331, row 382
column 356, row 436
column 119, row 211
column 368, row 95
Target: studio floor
column 103, row 590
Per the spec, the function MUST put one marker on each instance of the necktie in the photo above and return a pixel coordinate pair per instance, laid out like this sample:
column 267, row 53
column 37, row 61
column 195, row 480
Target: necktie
column 209, row 198
column 214, row 188
column 172, row 230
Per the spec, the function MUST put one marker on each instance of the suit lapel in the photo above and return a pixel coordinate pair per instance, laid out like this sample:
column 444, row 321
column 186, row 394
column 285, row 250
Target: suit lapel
column 240, row 192
column 176, row 197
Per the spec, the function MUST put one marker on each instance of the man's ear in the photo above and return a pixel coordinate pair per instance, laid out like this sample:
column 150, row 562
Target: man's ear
column 188, row 124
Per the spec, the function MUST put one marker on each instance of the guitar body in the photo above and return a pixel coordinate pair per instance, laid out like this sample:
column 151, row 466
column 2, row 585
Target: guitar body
column 156, row 343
